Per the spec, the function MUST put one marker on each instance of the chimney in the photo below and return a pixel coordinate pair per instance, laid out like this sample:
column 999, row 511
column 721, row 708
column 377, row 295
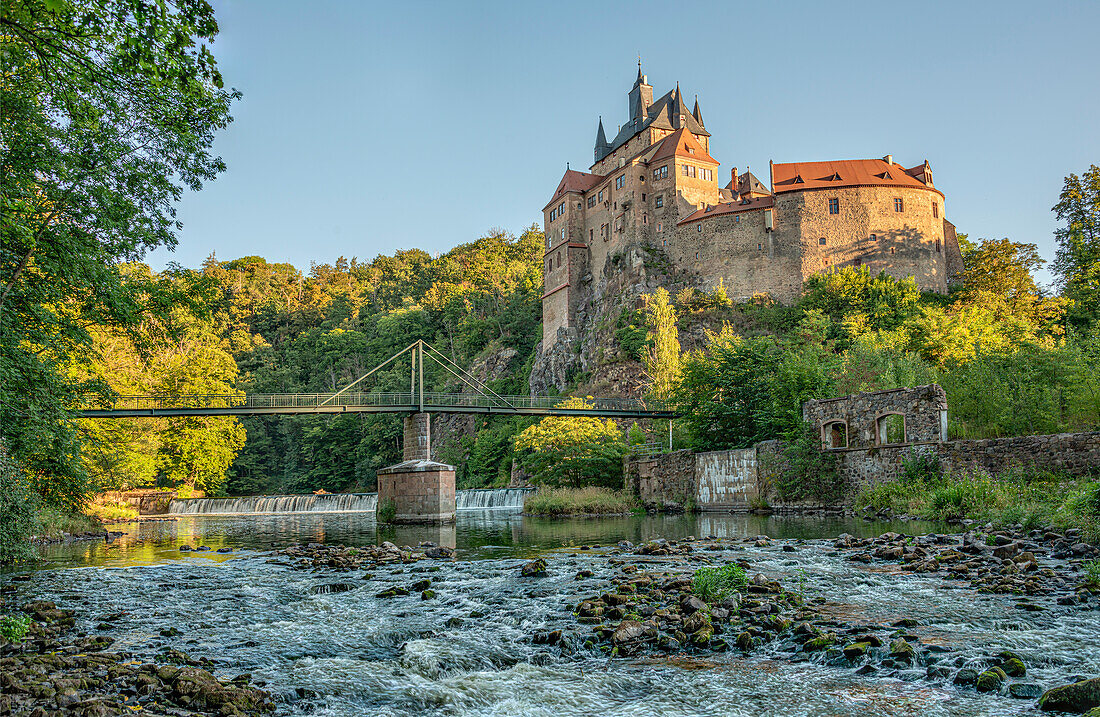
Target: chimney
column 889, row 159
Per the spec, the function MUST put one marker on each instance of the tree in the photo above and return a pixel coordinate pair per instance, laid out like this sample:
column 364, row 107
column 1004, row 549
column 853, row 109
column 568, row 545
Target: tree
column 662, row 355
column 1077, row 263
column 1002, row 267
column 573, row 450
column 109, row 109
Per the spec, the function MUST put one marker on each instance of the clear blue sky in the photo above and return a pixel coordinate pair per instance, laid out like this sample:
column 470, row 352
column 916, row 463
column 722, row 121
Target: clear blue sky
column 368, row 127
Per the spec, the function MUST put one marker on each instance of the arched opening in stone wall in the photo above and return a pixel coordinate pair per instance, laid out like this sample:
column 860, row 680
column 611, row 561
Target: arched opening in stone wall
column 890, row 428
column 834, row 434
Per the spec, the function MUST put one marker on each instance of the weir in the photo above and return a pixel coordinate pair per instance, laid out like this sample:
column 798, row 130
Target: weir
column 474, row 499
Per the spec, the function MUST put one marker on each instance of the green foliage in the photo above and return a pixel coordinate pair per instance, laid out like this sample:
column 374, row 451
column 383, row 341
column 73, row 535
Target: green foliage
column 1077, row 263
column 661, row 357
column 743, row 390
column 1092, row 574
column 386, row 511
column 590, row 500
column 572, row 450
column 19, row 505
column 855, row 301
column 13, row 628
column 1022, row 495
column 804, row 472
column 636, row 436
column 715, row 583
column 630, row 333
column 109, row 114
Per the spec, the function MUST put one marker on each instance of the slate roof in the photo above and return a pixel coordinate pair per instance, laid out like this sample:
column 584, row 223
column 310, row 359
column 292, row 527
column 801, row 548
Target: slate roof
column 664, row 113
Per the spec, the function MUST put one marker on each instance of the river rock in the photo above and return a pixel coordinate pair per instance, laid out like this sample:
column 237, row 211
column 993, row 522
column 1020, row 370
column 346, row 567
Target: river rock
column 690, row 604
column 991, row 680
column 439, row 552
column 534, row 569
column 1077, row 698
column 628, row 631
column 1024, row 690
column 966, row 676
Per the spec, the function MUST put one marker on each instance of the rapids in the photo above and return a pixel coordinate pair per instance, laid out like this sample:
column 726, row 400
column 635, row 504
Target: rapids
column 468, row 650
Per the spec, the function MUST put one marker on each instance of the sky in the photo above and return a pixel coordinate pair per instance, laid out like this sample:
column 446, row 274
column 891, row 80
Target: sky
column 368, row 127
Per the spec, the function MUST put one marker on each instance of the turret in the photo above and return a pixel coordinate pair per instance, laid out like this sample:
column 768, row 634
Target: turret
column 696, row 113
column 602, row 146
column 641, row 96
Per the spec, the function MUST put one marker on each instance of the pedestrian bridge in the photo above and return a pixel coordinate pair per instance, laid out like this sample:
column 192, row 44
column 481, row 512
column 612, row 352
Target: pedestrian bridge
column 258, row 404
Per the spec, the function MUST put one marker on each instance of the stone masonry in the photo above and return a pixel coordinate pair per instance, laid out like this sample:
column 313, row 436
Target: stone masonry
column 869, row 451
column 421, row 490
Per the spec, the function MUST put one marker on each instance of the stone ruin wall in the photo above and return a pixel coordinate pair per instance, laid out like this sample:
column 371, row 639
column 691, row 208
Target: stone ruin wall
column 729, row 480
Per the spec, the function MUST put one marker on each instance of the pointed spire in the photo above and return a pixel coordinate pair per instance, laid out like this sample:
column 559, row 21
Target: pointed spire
column 696, row 113
column 602, row 146
column 641, row 77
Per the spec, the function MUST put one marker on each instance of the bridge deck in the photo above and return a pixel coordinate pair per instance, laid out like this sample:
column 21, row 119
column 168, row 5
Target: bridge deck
column 307, row 403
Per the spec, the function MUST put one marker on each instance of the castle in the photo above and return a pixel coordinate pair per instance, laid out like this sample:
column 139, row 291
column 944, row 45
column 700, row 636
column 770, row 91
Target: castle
column 656, row 184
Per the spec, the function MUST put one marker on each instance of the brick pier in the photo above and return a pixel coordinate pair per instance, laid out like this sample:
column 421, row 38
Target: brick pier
column 422, row 490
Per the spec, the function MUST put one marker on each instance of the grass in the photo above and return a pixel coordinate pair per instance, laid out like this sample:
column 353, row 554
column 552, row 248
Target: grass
column 53, row 522
column 1092, row 574
column 1030, row 498
column 105, row 509
column 580, row 501
column 716, row 583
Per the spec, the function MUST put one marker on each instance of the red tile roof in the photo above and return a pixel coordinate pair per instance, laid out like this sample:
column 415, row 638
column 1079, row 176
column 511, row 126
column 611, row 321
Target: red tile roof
column 798, row 176
column 730, row 208
column 574, row 181
column 682, row 143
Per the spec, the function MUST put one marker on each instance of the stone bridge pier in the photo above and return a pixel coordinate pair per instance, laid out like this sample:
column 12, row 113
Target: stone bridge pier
column 421, row 490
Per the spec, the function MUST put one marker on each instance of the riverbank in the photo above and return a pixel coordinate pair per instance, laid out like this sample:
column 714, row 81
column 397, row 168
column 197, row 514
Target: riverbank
column 51, row 669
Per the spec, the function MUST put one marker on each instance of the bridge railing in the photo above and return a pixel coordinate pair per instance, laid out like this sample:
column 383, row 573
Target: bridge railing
column 432, row 400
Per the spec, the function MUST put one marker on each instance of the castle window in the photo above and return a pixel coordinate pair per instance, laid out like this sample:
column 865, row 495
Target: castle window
column 563, row 233
column 591, row 202
column 834, row 206
column 659, row 201
column 561, row 209
column 559, row 259
column 660, row 172
column 935, row 210
column 874, row 237
column 620, row 181
column 665, row 243
column 601, row 195
column 698, row 227
column 696, row 255
column 826, row 261
column 890, row 428
column 643, row 196
column 938, row 246
column 899, row 206
column 590, row 234
column 821, row 241
column 660, row 226
column 645, row 219
column 893, row 250
column 834, row 434
column 759, row 246
column 737, row 220
column 689, row 170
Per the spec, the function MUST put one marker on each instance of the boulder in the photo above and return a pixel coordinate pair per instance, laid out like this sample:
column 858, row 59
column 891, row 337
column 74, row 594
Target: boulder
column 534, row 569
column 991, row 680
column 1077, row 698
column 690, row 604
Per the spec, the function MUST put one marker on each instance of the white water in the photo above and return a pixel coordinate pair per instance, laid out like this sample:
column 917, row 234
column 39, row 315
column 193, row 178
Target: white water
column 484, row 499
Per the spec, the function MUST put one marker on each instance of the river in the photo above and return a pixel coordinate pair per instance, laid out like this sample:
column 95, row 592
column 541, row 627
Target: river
column 469, row 652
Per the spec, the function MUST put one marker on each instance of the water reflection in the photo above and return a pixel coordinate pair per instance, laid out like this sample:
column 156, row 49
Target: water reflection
column 477, row 534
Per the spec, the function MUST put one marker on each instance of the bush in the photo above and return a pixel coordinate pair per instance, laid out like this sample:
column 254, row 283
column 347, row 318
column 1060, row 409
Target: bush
column 580, row 501
column 14, row 627
column 716, row 583
column 19, row 505
column 386, row 511
column 804, row 472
